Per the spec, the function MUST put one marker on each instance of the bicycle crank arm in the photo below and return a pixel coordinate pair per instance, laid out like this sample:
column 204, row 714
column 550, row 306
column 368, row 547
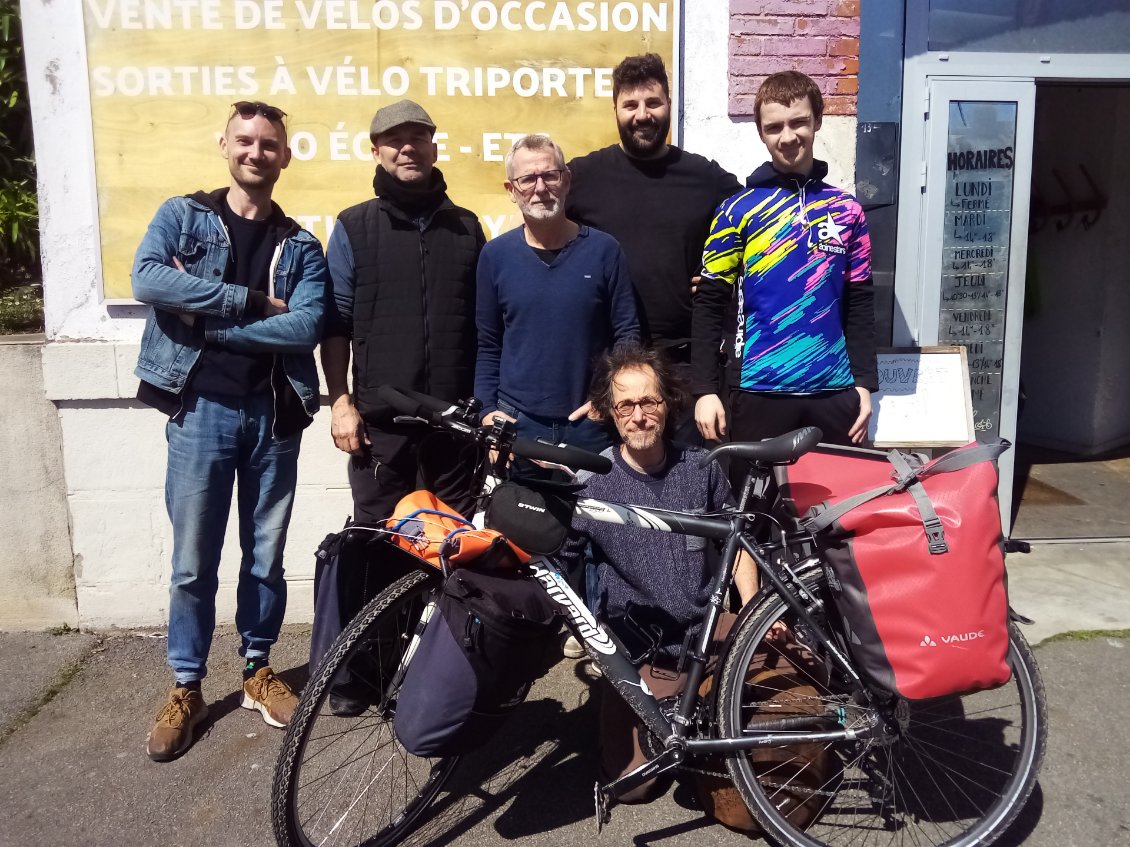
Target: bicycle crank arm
column 608, row 795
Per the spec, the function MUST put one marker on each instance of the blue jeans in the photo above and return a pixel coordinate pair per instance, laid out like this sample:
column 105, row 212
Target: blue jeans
column 214, row 442
column 586, row 434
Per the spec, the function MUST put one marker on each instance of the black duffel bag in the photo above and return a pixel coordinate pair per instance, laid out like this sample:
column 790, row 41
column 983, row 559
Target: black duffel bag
column 486, row 642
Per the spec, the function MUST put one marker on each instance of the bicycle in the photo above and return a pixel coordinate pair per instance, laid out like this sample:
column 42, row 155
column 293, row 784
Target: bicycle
column 954, row 771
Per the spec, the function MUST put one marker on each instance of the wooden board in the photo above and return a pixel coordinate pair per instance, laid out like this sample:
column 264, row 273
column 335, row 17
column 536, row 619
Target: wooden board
column 923, row 398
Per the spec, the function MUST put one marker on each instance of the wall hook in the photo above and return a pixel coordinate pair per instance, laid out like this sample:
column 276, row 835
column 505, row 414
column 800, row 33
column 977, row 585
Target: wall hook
column 1066, row 208
column 1096, row 205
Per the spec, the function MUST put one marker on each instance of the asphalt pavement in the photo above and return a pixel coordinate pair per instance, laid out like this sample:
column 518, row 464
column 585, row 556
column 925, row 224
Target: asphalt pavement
column 75, row 709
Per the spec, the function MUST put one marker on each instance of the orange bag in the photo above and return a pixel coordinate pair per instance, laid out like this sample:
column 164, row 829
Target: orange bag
column 432, row 531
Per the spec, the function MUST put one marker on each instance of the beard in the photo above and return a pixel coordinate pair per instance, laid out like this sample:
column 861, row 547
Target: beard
column 642, row 439
column 644, row 139
column 541, row 211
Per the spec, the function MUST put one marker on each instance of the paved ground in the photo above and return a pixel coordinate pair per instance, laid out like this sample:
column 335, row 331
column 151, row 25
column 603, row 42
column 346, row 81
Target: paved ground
column 75, row 709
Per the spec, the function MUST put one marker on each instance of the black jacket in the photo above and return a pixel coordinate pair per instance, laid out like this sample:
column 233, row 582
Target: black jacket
column 414, row 301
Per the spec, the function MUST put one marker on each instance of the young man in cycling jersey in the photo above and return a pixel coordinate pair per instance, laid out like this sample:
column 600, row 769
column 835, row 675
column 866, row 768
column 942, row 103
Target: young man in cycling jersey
column 797, row 251
column 650, row 585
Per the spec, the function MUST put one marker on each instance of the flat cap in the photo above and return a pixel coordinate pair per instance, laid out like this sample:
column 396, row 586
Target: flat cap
column 395, row 114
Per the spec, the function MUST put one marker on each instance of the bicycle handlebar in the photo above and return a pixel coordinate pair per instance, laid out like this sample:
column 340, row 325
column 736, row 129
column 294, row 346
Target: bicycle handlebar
column 562, row 454
column 415, row 405
column 441, row 414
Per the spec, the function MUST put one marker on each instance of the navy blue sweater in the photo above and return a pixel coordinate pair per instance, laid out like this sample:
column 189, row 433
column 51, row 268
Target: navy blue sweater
column 541, row 326
column 661, row 578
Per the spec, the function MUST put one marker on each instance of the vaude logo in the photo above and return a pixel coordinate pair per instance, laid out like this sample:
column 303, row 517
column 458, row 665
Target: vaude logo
column 954, row 638
column 531, row 507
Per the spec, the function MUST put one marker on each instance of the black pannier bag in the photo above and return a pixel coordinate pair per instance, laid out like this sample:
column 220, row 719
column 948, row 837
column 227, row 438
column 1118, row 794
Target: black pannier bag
column 484, row 645
column 351, row 567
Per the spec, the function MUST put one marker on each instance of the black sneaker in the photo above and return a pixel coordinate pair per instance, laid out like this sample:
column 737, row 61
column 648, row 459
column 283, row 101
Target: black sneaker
column 344, row 705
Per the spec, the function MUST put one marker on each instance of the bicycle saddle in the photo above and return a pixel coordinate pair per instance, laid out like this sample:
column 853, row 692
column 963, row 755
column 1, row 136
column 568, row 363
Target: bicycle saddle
column 773, row 451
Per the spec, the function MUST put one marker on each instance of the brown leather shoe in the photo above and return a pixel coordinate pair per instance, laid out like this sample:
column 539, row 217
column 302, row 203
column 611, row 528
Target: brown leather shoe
column 270, row 696
column 172, row 733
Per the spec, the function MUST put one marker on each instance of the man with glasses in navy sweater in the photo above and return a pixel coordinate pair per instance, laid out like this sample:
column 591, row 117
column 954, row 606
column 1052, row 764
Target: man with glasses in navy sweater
column 552, row 295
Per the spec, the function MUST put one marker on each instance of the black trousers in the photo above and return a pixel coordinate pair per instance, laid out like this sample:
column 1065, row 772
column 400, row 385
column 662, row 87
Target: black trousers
column 754, row 416
column 403, row 459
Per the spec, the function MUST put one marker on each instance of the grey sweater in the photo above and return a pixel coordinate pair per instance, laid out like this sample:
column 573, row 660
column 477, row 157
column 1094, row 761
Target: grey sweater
column 660, row 578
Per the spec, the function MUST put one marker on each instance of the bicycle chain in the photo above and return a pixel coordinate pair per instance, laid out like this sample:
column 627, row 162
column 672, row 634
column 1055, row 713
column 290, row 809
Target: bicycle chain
column 799, row 789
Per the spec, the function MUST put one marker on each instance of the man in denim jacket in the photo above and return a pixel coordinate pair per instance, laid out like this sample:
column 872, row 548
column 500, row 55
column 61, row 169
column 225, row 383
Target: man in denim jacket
column 237, row 294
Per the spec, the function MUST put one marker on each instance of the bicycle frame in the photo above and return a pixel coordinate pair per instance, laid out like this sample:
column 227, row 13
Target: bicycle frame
column 609, row 655
column 732, row 528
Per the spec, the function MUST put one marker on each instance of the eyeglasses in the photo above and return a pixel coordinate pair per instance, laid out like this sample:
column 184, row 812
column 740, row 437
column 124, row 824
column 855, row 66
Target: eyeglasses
column 527, row 183
column 648, row 405
column 247, row 109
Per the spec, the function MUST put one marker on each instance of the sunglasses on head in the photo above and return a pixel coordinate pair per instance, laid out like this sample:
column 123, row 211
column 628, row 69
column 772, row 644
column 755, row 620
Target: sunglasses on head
column 247, row 109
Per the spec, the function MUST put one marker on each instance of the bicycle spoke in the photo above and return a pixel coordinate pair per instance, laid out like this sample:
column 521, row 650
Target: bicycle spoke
column 345, row 780
column 948, row 773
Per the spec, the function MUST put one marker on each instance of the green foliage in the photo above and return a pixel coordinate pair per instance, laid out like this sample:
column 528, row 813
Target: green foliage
column 21, row 306
column 21, row 295
column 19, row 214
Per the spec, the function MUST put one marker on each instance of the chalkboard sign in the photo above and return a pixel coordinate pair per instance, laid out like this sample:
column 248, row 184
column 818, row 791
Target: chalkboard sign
column 923, row 398
column 975, row 247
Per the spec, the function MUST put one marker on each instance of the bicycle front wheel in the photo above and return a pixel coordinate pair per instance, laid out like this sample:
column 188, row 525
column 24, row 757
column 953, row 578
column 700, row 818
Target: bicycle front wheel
column 342, row 777
column 952, row 772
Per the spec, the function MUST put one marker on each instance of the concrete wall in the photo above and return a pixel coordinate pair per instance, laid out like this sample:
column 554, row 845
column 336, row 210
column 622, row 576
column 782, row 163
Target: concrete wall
column 37, row 586
column 1076, row 350
column 113, row 448
column 114, row 454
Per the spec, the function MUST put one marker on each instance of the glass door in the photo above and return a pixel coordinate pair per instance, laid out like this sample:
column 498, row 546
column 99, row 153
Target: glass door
column 972, row 244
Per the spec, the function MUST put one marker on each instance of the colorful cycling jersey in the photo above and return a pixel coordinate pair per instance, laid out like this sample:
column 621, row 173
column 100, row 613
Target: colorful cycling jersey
column 793, row 247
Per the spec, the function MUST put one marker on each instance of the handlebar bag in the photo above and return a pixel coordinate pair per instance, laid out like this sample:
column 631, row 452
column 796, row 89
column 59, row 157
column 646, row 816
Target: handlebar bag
column 429, row 529
column 535, row 516
column 486, row 643
column 915, row 563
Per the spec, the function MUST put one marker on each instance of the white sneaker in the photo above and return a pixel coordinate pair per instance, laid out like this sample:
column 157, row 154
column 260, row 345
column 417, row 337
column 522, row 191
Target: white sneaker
column 573, row 648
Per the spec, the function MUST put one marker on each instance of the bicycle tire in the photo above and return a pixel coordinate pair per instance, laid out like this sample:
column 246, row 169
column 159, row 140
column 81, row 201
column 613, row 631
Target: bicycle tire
column 346, row 780
column 956, row 773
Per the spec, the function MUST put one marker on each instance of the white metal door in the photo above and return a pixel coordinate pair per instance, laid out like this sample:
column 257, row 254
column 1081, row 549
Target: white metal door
column 963, row 239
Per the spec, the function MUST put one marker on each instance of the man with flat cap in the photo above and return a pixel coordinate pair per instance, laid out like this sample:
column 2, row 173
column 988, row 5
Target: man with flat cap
column 402, row 267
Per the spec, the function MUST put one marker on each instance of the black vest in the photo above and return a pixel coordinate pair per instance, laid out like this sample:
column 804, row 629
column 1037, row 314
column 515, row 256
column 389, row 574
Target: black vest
column 414, row 302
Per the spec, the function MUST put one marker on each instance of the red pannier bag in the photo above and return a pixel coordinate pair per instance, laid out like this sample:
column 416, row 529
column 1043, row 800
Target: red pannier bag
column 916, row 556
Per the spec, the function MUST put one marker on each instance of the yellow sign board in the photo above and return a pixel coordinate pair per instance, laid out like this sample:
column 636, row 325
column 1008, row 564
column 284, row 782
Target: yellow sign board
column 163, row 75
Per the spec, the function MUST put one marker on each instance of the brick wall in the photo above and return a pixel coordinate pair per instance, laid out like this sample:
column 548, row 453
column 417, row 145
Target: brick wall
column 818, row 37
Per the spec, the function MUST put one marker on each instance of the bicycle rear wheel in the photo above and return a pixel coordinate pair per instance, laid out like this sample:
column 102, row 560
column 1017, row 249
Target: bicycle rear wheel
column 344, row 779
column 952, row 772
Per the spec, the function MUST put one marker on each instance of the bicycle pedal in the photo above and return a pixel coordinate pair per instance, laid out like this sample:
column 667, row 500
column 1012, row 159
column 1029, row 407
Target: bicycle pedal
column 603, row 807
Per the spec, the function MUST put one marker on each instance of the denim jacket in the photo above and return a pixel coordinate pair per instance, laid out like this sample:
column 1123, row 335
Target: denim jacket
column 191, row 229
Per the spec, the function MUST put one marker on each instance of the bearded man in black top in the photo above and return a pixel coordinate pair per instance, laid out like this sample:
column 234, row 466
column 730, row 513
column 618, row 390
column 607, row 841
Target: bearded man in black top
column 657, row 200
